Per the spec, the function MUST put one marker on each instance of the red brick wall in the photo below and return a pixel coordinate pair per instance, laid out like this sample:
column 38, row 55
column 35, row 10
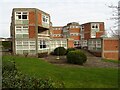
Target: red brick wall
column 57, row 31
column 75, row 37
column 110, row 44
column 70, row 43
column 111, row 49
column 39, row 18
column 31, row 31
column 87, row 30
column 31, row 17
column 98, row 34
column 74, row 30
column 101, row 26
column 111, row 55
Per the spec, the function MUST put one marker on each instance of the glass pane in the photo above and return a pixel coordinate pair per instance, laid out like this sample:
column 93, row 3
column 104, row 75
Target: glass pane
column 18, row 35
column 24, row 16
column 25, row 35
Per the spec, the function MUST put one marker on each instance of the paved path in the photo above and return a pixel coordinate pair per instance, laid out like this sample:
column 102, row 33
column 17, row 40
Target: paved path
column 92, row 61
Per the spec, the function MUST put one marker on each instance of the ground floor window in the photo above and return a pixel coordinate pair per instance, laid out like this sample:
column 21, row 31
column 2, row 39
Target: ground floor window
column 43, row 44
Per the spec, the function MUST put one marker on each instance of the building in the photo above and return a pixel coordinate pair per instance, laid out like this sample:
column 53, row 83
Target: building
column 91, row 30
column 57, row 32
column 30, row 31
column 95, row 46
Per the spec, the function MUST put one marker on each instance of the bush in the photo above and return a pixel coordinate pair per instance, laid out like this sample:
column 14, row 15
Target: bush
column 70, row 49
column 76, row 57
column 15, row 79
column 41, row 55
column 60, row 51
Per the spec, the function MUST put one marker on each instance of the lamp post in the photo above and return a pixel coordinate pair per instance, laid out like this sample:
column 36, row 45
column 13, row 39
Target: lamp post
column 58, row 57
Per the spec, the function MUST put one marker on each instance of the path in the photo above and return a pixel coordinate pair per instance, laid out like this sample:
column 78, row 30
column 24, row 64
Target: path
column 92, row 61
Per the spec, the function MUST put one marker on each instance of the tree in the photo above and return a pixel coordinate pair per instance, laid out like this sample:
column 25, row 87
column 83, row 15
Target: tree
column 115, row 30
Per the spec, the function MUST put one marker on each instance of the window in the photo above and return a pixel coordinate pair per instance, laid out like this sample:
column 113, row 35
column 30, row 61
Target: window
column 24, row 16
column 42, row 44
column 93, row 27
column 19, row 42
column 21, row 16
column 45, row 19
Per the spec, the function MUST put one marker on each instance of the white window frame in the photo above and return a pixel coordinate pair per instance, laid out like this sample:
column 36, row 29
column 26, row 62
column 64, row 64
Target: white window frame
column 21, row 14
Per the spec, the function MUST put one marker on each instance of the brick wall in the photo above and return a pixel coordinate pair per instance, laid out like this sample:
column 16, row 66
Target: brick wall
column 31, row 17
column 110, row 48
column 31, row 31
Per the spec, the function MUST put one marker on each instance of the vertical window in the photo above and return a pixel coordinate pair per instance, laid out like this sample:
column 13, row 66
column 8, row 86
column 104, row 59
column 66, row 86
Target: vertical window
column 42, row 44
column 45, row 19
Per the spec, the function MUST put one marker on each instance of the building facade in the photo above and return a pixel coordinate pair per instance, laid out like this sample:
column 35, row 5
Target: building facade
column 91, row 30
column 30, row 31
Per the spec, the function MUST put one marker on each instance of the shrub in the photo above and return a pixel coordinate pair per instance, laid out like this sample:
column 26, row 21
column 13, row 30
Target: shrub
column 70, row 49
column 41, row 55
column 15, row 79
column 76, row 57
column 60, row 51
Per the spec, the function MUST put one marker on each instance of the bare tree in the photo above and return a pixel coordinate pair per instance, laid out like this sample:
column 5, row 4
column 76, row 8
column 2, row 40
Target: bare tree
column 115, row 29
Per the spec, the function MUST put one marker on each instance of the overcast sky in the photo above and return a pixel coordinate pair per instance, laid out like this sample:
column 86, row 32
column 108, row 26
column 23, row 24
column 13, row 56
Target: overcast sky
column 61, row 11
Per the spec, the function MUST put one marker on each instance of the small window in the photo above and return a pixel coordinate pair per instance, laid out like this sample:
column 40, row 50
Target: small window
column 26, row 27
column 24, row 12
column 18, row 12
column 24, row 16
column 93, row 26
column 18, row 17
column 18, row 26
column 96, row 26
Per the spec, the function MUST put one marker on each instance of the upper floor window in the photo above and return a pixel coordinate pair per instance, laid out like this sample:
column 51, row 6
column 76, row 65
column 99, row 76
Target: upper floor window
column 21, row 15
column 45, row 19
column 95, row 26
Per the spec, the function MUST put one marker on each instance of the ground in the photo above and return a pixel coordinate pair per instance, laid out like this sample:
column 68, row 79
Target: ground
column 73, row 76
column 92, row 61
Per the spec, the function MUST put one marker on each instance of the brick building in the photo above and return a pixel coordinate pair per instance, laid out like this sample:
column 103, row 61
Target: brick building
column 56, row 32
column 30, row 30
column 91, row 30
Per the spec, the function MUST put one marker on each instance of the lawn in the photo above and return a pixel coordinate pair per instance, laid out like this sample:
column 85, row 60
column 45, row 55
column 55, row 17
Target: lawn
column 72, row 77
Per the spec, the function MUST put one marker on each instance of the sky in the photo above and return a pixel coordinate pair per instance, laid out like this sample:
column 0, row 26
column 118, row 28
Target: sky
column 61, row 11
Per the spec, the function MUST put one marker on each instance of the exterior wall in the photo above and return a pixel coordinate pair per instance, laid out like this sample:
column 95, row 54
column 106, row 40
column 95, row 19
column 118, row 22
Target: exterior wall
column 91, row 30
column 57, row 32
column 32, row 33
column 32, row 17
column 57, row 42
column 25, row 26
column 110, row 48
column 95, row 45
column 70, row 43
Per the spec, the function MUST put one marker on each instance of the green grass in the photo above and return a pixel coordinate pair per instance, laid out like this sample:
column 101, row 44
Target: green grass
column 72, row 77
column 112, row 61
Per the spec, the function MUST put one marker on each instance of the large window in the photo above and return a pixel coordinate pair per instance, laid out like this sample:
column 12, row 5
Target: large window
column 21, row 15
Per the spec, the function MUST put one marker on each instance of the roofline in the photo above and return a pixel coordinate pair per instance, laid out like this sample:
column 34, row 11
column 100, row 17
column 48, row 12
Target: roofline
column 31, row 8
column 91, row 22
